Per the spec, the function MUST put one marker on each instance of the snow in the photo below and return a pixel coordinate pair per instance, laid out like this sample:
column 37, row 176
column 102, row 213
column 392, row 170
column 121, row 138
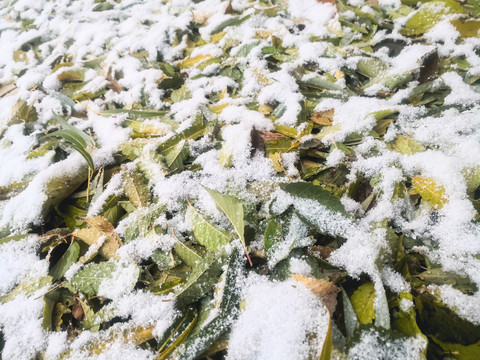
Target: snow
column 293, row 316
column 71, row 31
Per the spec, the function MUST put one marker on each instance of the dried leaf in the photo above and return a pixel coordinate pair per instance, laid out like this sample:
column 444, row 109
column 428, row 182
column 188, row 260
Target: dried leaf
column 101, row 231
column 322, row 288
column 324, row 118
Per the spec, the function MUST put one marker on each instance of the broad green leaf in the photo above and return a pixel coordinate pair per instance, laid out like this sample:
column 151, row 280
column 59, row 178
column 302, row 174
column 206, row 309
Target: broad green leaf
column 371, row 67
column 233, row 209
column 405, row 321
column 463, row 352
column 362, row 301
column 205, row 233
column 351, row 320
column 407, row 145
column 430, row 191
column 316, row 193
column 22, row 112
column 203, row 277
column 181, row 94
column 175, row 157
column 187, row 254
column 88, row 280
column 67, row 260
column 429, row 14
column 273, row 235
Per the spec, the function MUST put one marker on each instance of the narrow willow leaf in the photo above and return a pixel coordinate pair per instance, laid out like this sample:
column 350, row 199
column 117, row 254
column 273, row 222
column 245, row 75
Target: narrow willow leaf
column 464, row 352
column 351, row 320
column 88, row 280
column 202, row 279
column 362, row 301
column 135, row 114
column 430, row 191
column 189, row 62
column 180, row 333
column 316, row 193
column 205, row 334
column 205, row 233
column 193, row 132
column 233, row 21
column 14, row 238
column 233, row 209
column 27, row 287
column 68, row 259
column 326, row 353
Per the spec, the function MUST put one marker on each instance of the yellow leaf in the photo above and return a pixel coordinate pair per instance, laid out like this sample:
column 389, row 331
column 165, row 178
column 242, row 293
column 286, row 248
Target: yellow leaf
column 189, row 62
column 215, row 38
column 363, row 303
column 100, row 231
column 277, row 162
column 217, row 109
column 468, row 28
column 430, row 191
column 324, row 118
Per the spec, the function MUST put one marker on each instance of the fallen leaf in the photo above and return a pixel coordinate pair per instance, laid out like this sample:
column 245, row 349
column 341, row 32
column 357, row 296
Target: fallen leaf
column 77, row 310
column 324, row 118
column 100, row 230
column 326, row 290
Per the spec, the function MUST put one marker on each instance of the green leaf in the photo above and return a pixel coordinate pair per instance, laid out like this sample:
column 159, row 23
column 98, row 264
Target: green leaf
column 312, row 192
column 88, row 280
column 382, row 313
column 273, row 235
column 183, row 93
column 351, row 320
column 362, row 301
column 371, row 67
column 68, row 259
column 429, row 14
column 406, row 145
column 187, row 254
column 135, row 114
column 233, row 21
column 233, row 209
column 181, row 331
column 27, row 287
column 205, row 233
column 203, row 277
column 176, row 156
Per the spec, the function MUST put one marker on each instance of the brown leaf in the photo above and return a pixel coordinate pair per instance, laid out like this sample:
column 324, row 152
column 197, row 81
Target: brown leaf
column 323, row 251
column 326, row 290
column 100, row 230
column 112, row 82
column 324, row 118
column 260, row 137
column 429, row 69
column 77, row 310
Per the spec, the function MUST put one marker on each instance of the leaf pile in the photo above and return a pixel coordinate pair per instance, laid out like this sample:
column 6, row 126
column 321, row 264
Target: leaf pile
column 340, row 150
